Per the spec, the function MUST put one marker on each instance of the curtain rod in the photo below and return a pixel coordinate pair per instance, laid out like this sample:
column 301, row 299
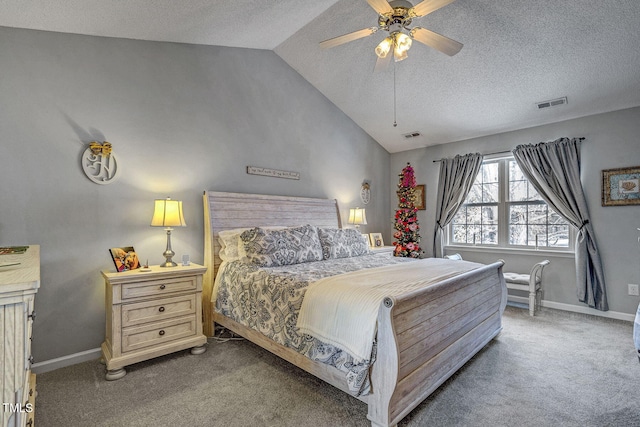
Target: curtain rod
column 486, row 154
column 503, row 152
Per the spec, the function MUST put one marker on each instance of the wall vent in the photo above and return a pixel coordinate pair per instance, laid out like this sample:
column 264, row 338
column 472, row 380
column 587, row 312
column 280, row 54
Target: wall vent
column 411, row 135
column 552, row 103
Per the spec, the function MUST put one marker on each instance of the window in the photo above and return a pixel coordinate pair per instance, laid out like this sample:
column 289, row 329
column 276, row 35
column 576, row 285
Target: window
column 504, row 210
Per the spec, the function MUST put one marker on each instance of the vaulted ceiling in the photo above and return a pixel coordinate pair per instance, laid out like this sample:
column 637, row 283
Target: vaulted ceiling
column 516, row 53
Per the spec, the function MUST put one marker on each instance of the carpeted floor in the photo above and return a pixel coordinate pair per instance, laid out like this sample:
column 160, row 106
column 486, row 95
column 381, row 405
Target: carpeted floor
column 555, row 369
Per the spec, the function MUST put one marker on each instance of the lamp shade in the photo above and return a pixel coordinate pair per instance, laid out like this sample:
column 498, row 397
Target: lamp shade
column 168, row 213
column 357, row 216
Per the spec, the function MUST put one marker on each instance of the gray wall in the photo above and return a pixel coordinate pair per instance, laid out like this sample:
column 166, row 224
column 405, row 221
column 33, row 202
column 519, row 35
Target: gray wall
column 612, row 141
column 182, row 119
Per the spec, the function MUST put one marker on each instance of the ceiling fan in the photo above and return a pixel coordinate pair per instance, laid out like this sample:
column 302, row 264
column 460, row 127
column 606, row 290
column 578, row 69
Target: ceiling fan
column 395, row 17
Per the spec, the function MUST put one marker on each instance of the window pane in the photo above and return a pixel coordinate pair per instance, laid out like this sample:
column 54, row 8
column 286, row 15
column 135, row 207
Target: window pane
column 475, row 194
column 515, row 174
column 459, row 234
column 533, row 194
column 518, row 235
column 490, row 172
column 518, row 214
column 537, row 233
column 474, row 215
column 460, row 217
column 517, row 191
column 490, row 215
column 490, row 193
column 537, row 214
column 489, row 235
column 559, row 236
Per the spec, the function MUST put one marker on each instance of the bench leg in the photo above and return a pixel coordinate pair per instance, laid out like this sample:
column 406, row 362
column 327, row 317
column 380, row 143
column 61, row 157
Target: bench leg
column 532, row 303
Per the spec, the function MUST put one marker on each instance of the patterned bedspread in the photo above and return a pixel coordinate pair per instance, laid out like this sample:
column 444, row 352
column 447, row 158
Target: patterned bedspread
column 269, row 299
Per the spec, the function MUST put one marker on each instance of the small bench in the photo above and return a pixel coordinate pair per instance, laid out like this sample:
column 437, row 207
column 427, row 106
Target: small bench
column 531, row 283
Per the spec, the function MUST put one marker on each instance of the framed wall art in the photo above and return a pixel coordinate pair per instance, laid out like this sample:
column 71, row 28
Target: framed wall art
column 420, row 191
column 621, row 186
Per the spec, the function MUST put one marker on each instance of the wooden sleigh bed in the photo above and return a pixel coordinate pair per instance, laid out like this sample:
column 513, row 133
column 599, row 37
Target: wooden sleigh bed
column 423, row 337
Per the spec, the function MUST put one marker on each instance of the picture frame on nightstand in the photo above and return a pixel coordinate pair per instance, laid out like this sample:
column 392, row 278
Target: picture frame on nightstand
column 125, row 258
column 375, row 240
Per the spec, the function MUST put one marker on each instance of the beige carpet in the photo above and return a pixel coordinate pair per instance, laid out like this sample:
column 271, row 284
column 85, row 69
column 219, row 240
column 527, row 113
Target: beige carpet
column 556, row 369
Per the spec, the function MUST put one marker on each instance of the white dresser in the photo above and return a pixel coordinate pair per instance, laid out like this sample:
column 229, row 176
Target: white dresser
column 19, row 282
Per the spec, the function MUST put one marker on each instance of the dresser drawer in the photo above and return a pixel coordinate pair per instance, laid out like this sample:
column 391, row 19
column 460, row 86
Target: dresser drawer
column 158, row 310
column 158, row 287
column 137, row 337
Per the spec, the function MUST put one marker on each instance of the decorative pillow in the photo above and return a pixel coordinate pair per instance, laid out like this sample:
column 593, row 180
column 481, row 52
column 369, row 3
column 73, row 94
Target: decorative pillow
column 231, row 247
column 272, row 248
column 342, row 243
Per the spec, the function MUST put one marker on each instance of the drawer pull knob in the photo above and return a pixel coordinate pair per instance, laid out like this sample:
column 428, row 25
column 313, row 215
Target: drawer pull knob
column 161, row 332
column 162, row 287
column 32, row 316
column 161, row 309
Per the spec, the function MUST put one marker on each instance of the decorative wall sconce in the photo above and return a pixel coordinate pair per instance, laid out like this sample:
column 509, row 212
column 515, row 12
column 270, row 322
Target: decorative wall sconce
column 357, row 217
column 365, row 192
column 99, row 163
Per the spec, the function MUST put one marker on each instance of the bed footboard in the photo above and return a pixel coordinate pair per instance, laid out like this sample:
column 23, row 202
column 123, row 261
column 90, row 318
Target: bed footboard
column 425, row 336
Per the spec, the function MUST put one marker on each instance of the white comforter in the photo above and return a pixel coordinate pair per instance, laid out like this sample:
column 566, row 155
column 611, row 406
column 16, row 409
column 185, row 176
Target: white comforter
column 342, row 310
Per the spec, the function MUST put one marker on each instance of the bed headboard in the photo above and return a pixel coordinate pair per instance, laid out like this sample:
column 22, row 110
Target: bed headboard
column 224, row 211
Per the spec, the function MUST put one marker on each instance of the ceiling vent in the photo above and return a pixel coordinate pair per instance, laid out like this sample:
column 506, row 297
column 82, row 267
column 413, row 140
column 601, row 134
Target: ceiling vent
column 411, row 135
column 552, row 103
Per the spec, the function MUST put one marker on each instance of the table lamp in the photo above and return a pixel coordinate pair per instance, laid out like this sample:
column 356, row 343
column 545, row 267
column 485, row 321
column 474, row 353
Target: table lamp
column 168, row 213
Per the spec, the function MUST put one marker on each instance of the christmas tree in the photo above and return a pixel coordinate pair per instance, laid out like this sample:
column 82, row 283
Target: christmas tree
column 407, row 234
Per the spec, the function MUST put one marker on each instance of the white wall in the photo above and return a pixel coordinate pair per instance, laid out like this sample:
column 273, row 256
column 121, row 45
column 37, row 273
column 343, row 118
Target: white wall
column 612, row 140
column 182, row 119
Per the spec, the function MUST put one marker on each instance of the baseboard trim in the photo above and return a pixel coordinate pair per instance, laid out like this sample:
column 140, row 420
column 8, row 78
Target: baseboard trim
column 577, row 309
column 61, row 362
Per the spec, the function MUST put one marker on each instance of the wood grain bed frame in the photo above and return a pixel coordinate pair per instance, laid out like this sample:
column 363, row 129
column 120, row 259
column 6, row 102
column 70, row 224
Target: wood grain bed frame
column 423, row 337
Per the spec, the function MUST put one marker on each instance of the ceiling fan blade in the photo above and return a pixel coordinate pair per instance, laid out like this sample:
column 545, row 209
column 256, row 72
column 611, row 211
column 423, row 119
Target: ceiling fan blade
column 427, row 6
column 382, row 63
column 436, row 41
column 337, row 41
column 380, row 6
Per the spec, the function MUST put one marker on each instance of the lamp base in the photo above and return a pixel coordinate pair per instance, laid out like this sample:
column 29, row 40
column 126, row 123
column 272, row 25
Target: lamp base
column 168, row 263
column 168, row 253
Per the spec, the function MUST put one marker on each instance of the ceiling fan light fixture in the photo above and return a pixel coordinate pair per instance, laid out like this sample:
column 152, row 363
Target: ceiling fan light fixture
column 402, row 44
column 384, row 47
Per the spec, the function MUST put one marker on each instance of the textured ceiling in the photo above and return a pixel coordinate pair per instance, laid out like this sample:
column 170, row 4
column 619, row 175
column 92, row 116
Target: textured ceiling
column 516, row 53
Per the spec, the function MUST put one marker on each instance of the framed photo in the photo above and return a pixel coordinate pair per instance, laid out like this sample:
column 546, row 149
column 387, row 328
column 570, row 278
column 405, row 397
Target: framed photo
column 125, row 258
column 621, row 187
column 376, row 240
column 420, row 191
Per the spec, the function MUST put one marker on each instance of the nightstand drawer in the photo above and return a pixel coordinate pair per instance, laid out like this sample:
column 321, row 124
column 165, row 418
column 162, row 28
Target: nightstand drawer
column 138, row 337
column 158, row 310
column 158, row 287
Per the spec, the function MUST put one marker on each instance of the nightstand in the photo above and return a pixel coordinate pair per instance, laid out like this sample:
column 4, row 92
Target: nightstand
column 150, row 313
column 382, row 249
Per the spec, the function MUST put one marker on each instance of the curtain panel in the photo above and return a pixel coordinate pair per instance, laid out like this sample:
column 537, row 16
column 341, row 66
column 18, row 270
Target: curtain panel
column 456, row 179
column 553, row 168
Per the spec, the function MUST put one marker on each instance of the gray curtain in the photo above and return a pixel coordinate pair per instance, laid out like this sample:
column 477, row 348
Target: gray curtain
column 553, row 168
column 456, row 179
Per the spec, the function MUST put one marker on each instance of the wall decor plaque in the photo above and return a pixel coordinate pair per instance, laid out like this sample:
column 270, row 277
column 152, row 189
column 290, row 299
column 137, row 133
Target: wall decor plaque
column 99, row 163
column 275, row 173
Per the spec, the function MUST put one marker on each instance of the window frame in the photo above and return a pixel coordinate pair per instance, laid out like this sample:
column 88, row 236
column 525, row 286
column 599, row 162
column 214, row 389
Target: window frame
column 503, row 207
